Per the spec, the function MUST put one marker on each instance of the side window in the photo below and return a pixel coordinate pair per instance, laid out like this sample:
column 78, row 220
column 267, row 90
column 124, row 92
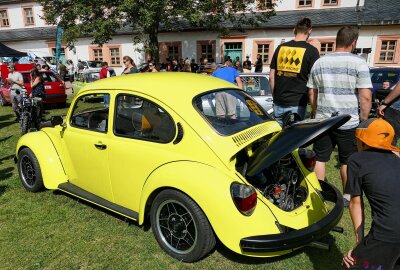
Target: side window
column 91, row 112
column 141, row 119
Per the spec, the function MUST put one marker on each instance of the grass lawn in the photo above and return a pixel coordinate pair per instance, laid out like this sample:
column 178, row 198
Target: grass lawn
column 50, row 230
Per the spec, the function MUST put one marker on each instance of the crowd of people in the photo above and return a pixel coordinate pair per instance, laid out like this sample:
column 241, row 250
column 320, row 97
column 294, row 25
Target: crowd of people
column 337, row 83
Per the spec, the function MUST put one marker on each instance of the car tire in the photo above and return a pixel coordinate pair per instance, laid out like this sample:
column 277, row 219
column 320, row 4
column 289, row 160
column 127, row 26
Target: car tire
column 62, row 105
column 180, row 226
column 29, row 171
column 24, row 124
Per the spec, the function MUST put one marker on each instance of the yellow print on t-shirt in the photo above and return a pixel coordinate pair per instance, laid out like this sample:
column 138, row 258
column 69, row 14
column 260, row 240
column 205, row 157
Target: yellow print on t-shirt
column 290, row 59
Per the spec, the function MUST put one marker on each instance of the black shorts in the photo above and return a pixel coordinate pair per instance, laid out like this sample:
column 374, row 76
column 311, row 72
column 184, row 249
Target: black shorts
column 344, row 139
column 375, row 254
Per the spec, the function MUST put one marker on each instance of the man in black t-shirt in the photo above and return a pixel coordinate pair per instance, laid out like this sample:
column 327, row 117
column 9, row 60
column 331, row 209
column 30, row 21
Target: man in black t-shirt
column 375, row 172
column 290, row 68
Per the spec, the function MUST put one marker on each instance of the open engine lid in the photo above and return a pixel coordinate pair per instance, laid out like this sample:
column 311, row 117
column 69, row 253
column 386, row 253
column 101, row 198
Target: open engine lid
column 290, row 138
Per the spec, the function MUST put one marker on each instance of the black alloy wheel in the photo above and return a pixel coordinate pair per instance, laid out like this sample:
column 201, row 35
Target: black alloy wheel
column 29, row 171
column 180, row 226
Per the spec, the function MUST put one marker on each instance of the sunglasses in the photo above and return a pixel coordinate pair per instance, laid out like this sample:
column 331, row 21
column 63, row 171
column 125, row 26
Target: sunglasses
column 151, row 65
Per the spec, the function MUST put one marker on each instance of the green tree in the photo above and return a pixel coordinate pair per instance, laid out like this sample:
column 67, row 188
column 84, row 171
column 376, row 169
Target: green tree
column 101, row 19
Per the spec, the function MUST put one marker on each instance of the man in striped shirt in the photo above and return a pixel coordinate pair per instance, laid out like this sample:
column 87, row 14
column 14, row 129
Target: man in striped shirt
column 340, row 84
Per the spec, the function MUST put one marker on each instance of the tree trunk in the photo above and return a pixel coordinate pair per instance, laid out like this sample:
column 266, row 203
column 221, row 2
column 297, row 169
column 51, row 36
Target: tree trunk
column 153, row 43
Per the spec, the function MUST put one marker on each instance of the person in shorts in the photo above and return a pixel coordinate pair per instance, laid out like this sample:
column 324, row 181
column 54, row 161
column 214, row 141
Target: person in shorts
column 374, row 172
column 340, row 83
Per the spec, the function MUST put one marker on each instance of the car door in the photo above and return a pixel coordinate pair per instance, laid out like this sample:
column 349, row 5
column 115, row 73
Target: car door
column 258, row 87
column 142, row 141
column 86, row 145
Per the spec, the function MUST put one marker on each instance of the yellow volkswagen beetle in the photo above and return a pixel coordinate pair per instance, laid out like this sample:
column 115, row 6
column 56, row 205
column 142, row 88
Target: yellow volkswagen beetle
column 193, row 155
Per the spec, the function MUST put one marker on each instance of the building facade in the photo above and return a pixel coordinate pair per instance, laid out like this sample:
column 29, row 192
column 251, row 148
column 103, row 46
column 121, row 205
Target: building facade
column 22, row 28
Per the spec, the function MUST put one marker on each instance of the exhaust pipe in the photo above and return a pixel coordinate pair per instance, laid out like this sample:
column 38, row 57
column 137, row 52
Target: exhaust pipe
column 338, row 229
column 320, row 245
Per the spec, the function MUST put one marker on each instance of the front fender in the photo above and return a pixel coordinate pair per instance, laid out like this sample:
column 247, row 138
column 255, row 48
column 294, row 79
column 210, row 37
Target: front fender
column 210, row 189
column 50, row 164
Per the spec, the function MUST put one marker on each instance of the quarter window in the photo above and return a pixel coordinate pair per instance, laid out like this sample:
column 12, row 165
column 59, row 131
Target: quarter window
column 91, row 112
column 141, row 119
column 4, row 22
column 388, row 49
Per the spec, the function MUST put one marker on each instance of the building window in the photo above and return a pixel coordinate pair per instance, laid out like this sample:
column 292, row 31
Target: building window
column 173, row 52
column 4, row 22
column 28, row 16
column 388, row 49
column 305, row 3
column 330, row 2
column 207, row 52
column 114, row 56
column 326, row 48
column 263, row 50
column 265, row 4
column 98, row 55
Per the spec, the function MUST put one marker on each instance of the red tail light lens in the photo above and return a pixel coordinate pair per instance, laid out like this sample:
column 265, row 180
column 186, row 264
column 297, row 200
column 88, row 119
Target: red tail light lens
column 308, row 158
column 244, row 197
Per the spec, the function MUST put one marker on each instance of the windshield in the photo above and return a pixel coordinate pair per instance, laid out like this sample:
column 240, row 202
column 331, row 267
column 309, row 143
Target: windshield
column 379, row 76
column 94, row 64
column 230, row 111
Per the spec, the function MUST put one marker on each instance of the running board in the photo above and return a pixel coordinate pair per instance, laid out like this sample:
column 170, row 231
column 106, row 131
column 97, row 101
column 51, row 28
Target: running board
column 90, row 197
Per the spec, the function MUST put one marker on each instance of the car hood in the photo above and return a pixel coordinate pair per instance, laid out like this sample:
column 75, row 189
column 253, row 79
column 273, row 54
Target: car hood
column 290, row 138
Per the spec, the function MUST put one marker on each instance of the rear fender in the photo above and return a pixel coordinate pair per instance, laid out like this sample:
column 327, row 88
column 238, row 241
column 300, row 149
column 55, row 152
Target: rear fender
column 50, row 164
column 210, row 189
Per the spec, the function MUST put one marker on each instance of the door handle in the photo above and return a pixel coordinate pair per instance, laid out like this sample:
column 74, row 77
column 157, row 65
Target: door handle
column 269, row 99
column 100, row 146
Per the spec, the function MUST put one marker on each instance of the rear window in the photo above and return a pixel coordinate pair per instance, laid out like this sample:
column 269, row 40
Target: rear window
column 255, row 85
column 230, row 111
column 379, row 76
column 47, row 77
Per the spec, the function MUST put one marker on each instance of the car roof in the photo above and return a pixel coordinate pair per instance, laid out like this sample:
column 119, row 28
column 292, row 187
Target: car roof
column 170, row 87
column 385, row 69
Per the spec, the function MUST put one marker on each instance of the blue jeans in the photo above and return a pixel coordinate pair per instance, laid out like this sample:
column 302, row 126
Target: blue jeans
column 279, row 111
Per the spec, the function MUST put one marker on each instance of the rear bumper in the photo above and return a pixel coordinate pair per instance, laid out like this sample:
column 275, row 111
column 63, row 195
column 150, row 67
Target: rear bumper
column 298, row 238
column 56, row 98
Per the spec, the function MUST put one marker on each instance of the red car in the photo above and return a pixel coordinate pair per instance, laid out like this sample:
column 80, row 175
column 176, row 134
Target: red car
column 53, row 85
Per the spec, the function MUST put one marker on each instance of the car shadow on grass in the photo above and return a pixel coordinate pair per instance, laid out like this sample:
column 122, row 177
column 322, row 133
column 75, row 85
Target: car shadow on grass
column 232, row 256
column 3, row 189
column 5, row 158
column 6, row 173
column 96, row 207
column 6, row 124
column 6, row 117
column 331, row 260
column 5, row 138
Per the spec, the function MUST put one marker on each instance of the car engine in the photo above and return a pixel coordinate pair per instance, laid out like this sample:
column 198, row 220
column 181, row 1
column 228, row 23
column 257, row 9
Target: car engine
column 282, row 183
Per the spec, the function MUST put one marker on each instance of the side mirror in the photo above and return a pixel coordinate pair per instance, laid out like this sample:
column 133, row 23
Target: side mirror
column 56, row 120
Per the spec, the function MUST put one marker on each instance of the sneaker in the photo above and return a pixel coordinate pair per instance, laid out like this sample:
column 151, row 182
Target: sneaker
column 346, row 203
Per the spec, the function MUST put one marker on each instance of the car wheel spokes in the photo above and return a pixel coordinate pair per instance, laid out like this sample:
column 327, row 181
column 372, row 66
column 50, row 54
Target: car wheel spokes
column 28, row 171
column 176, row 226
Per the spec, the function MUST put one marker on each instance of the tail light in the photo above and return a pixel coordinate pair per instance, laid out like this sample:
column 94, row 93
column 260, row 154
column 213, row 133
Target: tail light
column 244, row 197
column 308, row 158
